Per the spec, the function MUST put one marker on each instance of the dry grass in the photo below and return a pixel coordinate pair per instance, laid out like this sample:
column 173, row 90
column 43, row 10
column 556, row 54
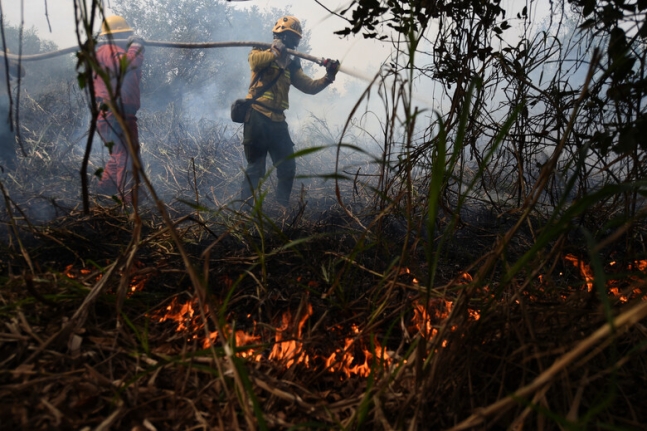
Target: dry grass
column 546, row 341
column 85, row 344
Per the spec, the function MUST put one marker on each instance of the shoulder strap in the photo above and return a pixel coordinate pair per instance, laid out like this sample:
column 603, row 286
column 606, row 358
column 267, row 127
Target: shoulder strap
column 259, row 92
column 258, row 76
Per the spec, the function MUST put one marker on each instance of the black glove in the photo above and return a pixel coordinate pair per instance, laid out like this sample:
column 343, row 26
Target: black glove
column 136, row 42
column 332, row 67
column 278, row 48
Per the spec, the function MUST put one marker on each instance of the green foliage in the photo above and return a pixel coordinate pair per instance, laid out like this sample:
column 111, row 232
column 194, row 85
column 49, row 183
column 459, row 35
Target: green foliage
column 465, row 28
column 404, row 16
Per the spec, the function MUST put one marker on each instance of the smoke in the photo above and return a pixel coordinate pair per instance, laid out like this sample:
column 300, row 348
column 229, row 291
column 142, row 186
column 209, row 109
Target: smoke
column 190, row 148
column 193, row 89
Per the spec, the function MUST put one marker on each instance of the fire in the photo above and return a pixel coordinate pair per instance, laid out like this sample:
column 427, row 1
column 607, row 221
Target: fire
column 422, row 322
column 641, row 265
column 613, row 286
column 79, row 274
column 181, row 314
column 187, row 320
column 137, row 281
column 474, row 315
column 289, row 350
column 140, row 276
column 425, row 318
column 345, row 360
column 356, row 358
column 360, row 352
column 242, row 339
column 407, row 271
column 585, row 270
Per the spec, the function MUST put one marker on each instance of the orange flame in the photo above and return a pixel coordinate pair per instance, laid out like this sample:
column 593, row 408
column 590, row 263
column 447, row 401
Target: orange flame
column 75, row 274
column 407, row 271
column 360, row 352
column 137, row 282
column 242, row 339
column 613, row 286
column 344, row 360
column 424, row 318
column 641, row 265
column 181, row 314
column 585, row 270
column 290, row 351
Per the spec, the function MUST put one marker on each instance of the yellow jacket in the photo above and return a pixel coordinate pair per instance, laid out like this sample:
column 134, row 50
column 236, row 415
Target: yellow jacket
column 275, row 99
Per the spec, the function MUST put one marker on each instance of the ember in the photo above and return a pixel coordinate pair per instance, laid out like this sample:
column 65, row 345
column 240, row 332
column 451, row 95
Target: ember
column 345, row 361
column 79, row 274
column 137, row 281
column 585, row 270
column 613, row 288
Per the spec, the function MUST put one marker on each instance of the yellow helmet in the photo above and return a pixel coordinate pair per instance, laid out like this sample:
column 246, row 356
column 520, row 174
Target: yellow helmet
column 288, row 23
column 114, row 24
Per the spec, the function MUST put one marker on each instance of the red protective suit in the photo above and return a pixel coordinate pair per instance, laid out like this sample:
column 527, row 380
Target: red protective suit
column 124, row 83
column 124, row 69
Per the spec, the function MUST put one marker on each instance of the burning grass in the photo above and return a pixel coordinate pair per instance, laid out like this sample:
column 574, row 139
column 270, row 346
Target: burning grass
column 313, row 338
column 319, row 317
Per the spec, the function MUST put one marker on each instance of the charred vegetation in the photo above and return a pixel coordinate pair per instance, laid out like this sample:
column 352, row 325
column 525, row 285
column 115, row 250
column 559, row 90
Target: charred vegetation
column 480, row 266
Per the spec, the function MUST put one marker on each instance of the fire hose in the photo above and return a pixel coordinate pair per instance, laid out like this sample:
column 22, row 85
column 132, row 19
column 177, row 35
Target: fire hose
column 160, row 44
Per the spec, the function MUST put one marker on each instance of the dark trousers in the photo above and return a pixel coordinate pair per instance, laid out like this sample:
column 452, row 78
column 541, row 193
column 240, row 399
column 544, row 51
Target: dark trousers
column 117, row 177
column 260, row 137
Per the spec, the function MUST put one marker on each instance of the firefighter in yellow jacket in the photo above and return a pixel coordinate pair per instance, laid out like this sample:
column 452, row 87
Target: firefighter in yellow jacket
column 265, row 129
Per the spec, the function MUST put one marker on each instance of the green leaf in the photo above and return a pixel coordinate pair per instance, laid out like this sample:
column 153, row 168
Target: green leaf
column 80, row 77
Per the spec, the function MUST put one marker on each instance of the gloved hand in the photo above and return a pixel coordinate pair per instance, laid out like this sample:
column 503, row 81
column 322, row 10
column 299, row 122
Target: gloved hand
column 332, row 67
column 278, row 48
column 136, row 42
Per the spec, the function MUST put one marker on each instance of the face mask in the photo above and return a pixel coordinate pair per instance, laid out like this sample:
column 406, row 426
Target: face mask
column 291, row 41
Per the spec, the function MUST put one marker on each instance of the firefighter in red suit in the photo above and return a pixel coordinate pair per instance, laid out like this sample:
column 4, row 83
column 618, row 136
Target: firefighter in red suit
column 120, row 55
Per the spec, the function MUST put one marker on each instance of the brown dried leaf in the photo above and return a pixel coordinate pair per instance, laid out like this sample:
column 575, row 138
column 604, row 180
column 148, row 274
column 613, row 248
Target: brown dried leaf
column 23, row 370
column 149, row 426
column 56, row 412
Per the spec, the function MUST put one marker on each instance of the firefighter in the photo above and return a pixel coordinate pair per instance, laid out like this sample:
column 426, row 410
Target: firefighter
column 120, row 55
column 265, row 129
column 8, row 156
